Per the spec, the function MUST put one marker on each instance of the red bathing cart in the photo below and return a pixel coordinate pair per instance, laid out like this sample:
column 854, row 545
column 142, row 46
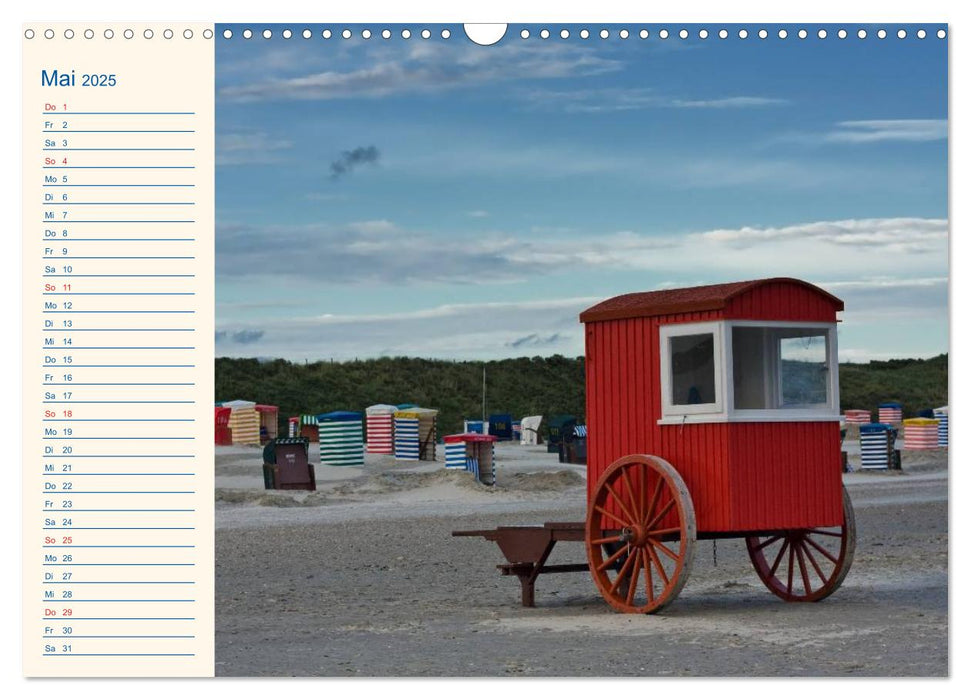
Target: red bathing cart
column 712, row 412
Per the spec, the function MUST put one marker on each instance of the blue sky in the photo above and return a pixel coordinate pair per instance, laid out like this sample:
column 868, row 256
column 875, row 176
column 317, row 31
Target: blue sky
column 437, row 198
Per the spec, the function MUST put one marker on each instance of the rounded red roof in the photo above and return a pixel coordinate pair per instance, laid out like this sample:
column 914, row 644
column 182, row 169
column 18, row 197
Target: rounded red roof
column 708, row 297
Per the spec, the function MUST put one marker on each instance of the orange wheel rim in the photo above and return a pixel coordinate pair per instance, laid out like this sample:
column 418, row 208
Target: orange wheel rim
column 805, row 564
column 640, row 534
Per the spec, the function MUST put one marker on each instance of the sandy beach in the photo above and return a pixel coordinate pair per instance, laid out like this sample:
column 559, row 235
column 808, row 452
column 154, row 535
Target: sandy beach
column 363, row 578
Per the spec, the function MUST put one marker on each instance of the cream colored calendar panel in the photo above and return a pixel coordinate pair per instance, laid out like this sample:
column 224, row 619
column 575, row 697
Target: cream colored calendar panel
column 118, row 265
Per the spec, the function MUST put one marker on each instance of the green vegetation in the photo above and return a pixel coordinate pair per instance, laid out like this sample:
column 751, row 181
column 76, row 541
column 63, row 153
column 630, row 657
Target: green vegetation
column 521, row 386
column 916, row 384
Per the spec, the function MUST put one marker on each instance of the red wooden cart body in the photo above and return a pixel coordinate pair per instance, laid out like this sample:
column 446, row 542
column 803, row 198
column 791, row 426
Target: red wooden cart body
column 742, row 476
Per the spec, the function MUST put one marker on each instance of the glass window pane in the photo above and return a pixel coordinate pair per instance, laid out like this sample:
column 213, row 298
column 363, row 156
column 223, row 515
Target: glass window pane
column 803, row 374
column 749, row 369
column 692, row 369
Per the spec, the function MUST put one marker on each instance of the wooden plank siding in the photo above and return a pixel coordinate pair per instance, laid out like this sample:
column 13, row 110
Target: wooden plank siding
column 741, row 476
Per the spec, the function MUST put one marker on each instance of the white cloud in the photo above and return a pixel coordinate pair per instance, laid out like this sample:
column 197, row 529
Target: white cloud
column 366, row 252
column 862, row 355
column 872, row 264
column 900, row 235
column 531, row 161
column 427, row 68
column 869, row 131
column 891, row 274
column 890, row 301
column 229, row 306
column 489, row 330
column 770, row 173
column 249, row 148
column 739, row 101
column 606, row 100
column 662, row 169
column 273, row 59
column 381, row 252
column 376, row 227
column 458, row 311
column 883, row 284
column 482, row 330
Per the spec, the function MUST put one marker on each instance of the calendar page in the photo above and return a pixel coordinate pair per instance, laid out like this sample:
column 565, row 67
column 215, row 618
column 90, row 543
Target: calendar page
column 547, row 348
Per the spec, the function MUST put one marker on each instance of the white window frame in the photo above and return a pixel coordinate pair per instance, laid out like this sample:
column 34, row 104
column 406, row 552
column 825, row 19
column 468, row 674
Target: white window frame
column 723, row 410
column 826, row 411
column 674, row 330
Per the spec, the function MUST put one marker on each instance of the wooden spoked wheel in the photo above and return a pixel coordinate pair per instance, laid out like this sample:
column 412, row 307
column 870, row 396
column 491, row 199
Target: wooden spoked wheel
column 805, row 565
column 640, row 534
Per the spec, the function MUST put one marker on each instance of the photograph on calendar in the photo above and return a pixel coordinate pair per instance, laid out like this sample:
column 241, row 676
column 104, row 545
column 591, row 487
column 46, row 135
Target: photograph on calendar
column 581, row 350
